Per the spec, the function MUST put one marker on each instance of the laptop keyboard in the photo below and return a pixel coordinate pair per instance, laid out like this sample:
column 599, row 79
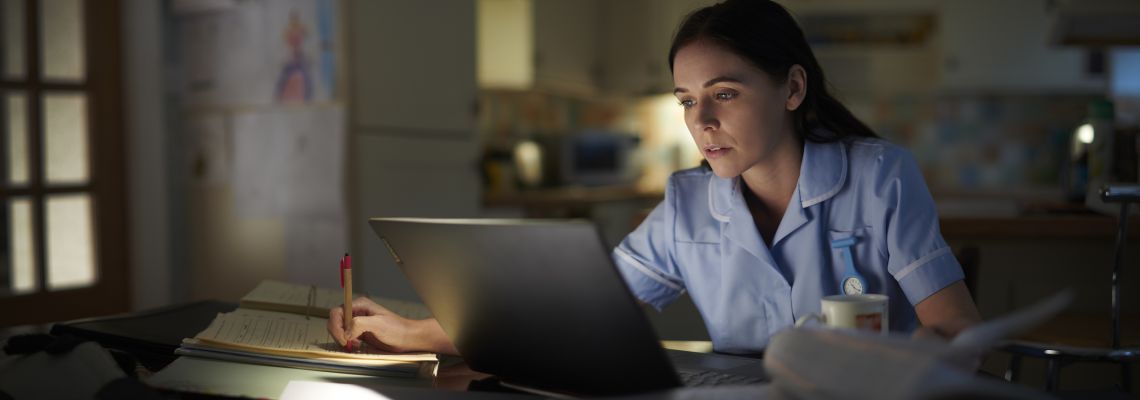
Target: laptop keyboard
column 712, row 378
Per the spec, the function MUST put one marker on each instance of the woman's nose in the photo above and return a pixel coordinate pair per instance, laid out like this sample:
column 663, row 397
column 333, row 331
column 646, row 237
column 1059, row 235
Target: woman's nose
column 706, row 116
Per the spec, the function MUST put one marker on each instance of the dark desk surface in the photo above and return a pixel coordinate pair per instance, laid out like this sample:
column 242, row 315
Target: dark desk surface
column 153, row 335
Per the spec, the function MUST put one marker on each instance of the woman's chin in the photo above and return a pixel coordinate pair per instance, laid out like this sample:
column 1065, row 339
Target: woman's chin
column 724, row 172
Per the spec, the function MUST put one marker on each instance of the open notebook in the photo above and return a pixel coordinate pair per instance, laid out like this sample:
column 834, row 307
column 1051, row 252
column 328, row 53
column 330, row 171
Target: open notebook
column 276, row 329
column 292, row 298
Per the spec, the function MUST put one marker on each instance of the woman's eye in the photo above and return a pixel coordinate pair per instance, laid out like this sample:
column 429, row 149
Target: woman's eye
column 687, row 103
column 725, row 95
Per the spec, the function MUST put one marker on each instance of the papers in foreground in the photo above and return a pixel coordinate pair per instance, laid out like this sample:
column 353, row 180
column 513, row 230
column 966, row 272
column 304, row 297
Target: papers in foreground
column 812, row 362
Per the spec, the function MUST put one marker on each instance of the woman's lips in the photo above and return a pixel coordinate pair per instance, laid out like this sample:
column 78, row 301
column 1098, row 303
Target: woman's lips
column 716, row 152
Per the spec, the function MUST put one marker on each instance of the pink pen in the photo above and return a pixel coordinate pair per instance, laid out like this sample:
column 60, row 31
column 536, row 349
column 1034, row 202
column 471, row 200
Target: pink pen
column 346, row 283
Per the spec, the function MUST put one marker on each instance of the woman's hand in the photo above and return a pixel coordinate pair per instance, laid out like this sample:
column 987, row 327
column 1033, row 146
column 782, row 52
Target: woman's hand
column 371, row 323
column 386, row 330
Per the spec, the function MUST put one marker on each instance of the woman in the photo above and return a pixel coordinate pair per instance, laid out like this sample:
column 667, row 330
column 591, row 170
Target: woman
column 792, row 173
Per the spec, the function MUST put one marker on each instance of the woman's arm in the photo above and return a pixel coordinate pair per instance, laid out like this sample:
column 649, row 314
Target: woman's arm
column 947, row 312
column 433, row 338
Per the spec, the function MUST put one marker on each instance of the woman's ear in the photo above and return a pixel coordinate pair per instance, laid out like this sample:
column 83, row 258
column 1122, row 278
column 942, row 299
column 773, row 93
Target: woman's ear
column 797, row 87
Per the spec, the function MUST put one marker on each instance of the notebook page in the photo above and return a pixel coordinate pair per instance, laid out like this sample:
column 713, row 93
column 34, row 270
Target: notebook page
column 293, row 295
column 290, row 297
column 288, row 334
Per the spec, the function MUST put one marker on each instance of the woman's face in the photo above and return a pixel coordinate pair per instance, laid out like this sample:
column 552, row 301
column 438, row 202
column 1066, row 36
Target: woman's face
column 737, row 115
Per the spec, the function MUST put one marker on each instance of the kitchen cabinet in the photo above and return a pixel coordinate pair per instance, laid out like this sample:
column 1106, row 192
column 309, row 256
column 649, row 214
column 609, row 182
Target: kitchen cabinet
column 876, row 70
column 549, row 45
column 1096, row 23
column 580, row 47
column 409, row 70
column 638, row 33
column 634, row 59
column 873, row 50
column 504, row 44
column 621, row 47
column 1004, row 46
column 566, row 37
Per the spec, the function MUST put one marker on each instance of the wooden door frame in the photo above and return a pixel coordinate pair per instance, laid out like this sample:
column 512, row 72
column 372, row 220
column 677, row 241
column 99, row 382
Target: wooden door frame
column 103, row 85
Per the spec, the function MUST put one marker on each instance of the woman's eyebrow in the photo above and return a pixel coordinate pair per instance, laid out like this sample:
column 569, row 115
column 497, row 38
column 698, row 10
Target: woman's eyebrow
column 710, row 82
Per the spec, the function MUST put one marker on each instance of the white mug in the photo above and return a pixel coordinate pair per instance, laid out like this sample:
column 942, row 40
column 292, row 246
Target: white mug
column 853, row 311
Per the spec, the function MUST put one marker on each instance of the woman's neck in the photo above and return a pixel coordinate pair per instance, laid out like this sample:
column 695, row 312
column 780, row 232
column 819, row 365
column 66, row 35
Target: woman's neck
column 772, row 182
column 770, row 186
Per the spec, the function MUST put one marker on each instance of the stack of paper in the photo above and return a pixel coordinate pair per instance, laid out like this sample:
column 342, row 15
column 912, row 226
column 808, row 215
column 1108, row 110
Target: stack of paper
column 812, row 362
column 292, row 335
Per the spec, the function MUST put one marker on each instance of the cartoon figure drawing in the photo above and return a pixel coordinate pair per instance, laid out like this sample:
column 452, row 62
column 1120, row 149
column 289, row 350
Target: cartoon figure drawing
column 295, row 83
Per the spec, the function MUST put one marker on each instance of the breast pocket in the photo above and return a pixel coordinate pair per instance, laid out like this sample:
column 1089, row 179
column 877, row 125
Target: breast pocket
column 867, row 255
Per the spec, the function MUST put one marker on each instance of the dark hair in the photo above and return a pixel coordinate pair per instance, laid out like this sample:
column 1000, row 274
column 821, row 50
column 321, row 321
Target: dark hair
column 764, row 33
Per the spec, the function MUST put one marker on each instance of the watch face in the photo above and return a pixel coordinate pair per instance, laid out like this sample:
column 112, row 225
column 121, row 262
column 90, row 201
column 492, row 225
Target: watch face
column 852, row 285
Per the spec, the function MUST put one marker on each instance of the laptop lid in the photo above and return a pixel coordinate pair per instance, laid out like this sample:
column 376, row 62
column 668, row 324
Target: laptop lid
column 535, row 302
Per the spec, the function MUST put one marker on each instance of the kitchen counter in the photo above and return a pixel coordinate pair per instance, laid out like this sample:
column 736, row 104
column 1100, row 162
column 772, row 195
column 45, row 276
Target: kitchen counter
column 1083, row 226
column 1038, row 222
column 574, row 196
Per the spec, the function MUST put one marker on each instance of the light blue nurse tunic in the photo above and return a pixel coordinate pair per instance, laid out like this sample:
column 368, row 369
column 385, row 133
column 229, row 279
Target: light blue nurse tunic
column 702, row 240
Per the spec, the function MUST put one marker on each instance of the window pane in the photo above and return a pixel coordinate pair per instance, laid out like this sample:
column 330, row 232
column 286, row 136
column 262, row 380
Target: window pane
column 16, row 109
column 13, row 18
column 65, row 147
column 61, row 28
column 69, row 247
column 22, row 246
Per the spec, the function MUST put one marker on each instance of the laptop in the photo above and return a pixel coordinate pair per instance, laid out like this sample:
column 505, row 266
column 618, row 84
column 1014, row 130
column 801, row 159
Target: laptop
column 540, row 305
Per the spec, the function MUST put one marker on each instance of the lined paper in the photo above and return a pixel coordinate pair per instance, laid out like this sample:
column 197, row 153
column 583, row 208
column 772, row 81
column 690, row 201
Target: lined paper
column 288, row 334
column 294, row 298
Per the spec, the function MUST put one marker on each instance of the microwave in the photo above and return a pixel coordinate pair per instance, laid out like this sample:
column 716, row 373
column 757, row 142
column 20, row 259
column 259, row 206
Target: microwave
column 589, row 158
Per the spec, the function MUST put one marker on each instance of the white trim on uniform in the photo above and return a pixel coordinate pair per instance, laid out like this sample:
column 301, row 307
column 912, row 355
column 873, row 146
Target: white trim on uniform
column 838, row 185
column 647, row 271
column 920, row 262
